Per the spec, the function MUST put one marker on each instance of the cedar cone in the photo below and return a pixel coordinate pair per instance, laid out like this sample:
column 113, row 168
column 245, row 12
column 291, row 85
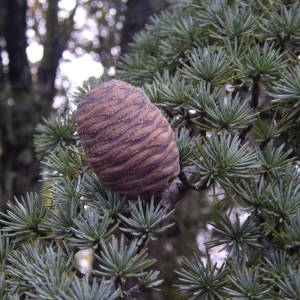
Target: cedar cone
column 127, row 140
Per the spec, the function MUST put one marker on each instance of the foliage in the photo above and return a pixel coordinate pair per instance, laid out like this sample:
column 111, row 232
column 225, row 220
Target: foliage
column 226, row 74
column 203, row 281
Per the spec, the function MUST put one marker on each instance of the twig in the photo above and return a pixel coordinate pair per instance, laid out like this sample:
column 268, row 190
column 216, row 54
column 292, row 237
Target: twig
column 255, row 92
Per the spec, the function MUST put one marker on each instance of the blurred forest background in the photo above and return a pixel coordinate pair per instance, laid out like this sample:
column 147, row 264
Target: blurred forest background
column 41, row 45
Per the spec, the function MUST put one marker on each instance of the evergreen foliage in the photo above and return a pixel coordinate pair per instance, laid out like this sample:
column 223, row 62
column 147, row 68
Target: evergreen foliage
column 227, row 76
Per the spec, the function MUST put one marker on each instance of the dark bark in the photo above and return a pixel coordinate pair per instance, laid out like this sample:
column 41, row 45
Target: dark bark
column 2, row 15
column 16, row 43
column 137, row 14
column 255, row 93
column 15, row 110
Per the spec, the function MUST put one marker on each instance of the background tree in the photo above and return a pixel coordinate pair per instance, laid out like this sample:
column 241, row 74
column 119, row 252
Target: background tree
column 28, row 88
column 24, row 99
column 226, row 75
column 137, row 14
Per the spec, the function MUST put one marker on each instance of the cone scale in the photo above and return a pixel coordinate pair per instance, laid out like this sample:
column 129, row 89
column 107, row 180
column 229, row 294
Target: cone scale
column 128, row 142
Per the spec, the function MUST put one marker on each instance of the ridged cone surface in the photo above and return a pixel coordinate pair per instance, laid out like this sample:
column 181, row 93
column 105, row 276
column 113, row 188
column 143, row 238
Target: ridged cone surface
column 127, row 140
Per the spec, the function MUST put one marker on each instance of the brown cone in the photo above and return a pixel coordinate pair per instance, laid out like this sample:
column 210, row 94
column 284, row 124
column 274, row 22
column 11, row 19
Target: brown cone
column 127, row 140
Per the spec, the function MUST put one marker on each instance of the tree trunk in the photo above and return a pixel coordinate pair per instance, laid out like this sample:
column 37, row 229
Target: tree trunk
column 55, row 43
column 16, row 164
column 16, row 43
